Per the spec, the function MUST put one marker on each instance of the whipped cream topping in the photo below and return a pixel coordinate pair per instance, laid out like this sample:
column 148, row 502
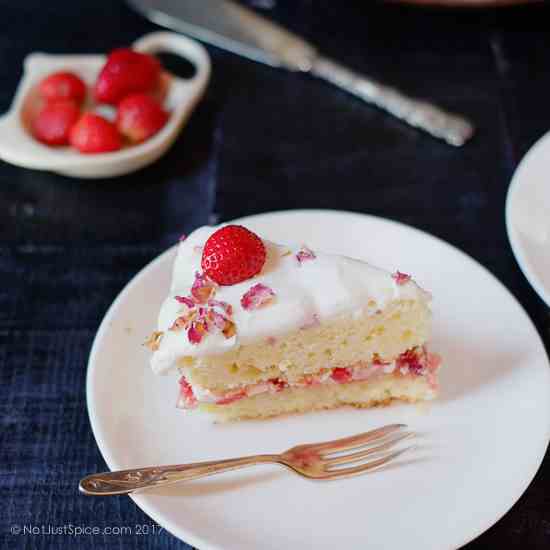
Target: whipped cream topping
column 323, row 287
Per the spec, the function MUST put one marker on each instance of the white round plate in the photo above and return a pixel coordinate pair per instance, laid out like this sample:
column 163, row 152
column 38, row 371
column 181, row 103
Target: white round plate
column 480, row 443
column 527, row 219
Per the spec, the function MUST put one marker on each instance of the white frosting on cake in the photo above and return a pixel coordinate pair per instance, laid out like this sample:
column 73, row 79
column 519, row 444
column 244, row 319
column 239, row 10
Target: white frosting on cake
column 319, row 289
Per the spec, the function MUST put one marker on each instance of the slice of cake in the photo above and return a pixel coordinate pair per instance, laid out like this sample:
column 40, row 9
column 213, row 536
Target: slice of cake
column 258, row 329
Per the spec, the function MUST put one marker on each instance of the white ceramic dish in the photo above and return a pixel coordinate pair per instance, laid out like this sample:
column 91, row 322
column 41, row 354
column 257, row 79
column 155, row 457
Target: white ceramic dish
column 17, row 145
column 528, row 219
column 480, row 443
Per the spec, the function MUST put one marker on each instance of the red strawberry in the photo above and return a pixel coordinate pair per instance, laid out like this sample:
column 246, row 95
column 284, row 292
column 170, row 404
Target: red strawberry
column 94, row 134
column 411, row 359
column 233, row 254
column 139, row 117
column 62, row 85
column 341, row 375
column 54, row 121
column 126, row 72
column 278, row 384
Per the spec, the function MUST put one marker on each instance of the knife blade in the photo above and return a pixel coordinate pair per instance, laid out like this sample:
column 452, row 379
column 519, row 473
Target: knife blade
column 230, row 26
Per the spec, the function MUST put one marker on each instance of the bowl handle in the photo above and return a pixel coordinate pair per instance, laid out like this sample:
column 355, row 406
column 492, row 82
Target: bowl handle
column 178, row 44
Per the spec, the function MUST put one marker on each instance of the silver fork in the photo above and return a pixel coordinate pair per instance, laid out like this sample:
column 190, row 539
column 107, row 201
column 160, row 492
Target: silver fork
column 315, row 461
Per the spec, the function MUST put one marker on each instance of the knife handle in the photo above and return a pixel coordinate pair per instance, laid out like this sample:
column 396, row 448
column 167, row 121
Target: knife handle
column 441, row 124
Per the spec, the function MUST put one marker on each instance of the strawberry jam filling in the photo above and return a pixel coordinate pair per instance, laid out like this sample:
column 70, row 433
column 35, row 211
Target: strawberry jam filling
column 413, row 362
column 187, row 397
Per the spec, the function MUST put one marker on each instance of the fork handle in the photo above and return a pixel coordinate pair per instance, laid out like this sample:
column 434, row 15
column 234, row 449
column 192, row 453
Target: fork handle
column 454, row 129
column 123, row 482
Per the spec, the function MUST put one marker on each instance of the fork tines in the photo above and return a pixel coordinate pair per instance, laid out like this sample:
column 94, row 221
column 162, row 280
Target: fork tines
column 374, row 446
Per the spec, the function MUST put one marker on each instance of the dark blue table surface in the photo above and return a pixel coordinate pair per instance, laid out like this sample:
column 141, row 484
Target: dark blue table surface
column 261, row 140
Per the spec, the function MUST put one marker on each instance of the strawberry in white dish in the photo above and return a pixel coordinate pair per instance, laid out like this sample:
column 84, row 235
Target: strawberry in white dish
column 54, row 122
column 94, row 134
column 257, row 329
column 126, row 72
column 62, row 85
column 139, row 117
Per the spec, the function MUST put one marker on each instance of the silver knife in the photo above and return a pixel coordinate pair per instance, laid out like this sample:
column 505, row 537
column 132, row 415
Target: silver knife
column 230, row 26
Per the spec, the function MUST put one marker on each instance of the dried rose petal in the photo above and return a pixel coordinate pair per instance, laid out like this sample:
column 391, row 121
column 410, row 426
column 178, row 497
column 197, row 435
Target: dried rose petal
column 401, row 278
column 228, row 308
column 185, row 300
column 180, row 323
column 213, row 318
column 202, row 311
column 196, row 332
column 305, row 254
column 153, row 342
column 217, row 319
column 230, row 329
column 203, row 288
column 257, row 296
column 204, row 314
column 194, row 335
column 271, row 340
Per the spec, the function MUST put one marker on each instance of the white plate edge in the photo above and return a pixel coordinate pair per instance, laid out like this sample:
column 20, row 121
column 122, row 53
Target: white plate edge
column 524, row 264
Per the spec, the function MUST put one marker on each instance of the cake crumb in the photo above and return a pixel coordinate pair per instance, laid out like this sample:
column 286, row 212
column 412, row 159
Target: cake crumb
column 153, row 342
